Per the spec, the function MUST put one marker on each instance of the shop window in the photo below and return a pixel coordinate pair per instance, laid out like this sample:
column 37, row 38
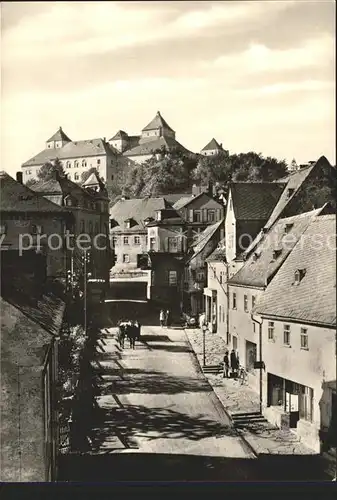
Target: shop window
column 172, row 278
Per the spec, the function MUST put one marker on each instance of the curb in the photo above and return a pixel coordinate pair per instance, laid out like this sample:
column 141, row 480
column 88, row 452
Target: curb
column 239, row 433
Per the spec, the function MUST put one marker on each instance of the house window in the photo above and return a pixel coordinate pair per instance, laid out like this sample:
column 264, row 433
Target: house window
column 254, row 327
column 304, row 338
column 172, row 278
column 253, row 301
column 271, row 330
column 36, row 229
column 172, row 244
column 126, row 240
column 152, row 243
column 84, row 163
column 76, row 164
column 245, row 303
column 3, row 228
column 114, row 241
column 197, row 216
column 136, row 240
column 286, row 335
column 98, row 161
column 210, row 215
column 76, row 176
column 126, row 258
column 305, row 403
column 234, row 301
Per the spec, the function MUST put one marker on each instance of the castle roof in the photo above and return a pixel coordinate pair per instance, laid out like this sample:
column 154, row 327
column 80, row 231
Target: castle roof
column 119, row 135
column 213, row 144
column 157, row 122
column 59, row 136
column 73, row 149
column 149, row 147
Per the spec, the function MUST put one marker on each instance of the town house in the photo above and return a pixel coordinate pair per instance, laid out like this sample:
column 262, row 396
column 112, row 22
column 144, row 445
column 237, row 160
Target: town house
column 248, row 284
column 30, row 326
column 249, row 206
column 24, row 212
column 298, row 311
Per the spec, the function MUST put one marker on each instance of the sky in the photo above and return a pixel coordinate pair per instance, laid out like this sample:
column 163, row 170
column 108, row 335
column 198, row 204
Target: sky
column 256, row 75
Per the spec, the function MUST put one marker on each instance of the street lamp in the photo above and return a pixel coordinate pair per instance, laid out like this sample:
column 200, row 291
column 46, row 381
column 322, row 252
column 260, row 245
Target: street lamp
column 204, row 330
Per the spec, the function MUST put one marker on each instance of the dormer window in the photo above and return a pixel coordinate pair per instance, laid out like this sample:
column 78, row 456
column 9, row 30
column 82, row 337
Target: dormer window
column 128, row 224
column 287, row 228
column 256, row 255
column 290, row 192
column 276, row 253
column 299, row 275
column 148, row 220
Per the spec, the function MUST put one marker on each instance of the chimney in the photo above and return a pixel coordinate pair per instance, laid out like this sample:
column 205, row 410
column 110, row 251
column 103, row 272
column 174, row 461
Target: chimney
column 19, row 177
column 195, row 190
column 210, row 188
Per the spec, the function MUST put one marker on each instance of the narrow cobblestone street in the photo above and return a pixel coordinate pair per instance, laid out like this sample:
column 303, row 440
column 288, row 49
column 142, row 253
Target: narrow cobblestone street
column 159, row 418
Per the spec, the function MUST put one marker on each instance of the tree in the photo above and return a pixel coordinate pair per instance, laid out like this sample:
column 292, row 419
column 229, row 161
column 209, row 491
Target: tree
column 158, row 176
column 30, row 182
column 47, row 171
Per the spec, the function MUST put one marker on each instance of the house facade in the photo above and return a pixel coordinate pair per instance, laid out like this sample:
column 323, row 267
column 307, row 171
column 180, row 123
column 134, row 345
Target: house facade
column 89, row 208
column 76, row 157
column 29, row 416
column 298, row 311
column 246, row 287
column 25, row 218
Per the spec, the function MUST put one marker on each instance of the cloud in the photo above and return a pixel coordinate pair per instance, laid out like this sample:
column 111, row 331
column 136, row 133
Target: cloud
column 259, row 58
column 75, row 29
column 286, row 87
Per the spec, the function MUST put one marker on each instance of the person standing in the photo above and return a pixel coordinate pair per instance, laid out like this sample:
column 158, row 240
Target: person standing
column 225, row 365
column 234, row 362
column 168, row 318
column 162, row 317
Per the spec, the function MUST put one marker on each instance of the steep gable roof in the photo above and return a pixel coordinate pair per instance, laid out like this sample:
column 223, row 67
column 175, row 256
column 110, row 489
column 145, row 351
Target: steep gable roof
column 183, row 201
column 254, row 200
column 59, row 136
column 262, row 265
column 27, row 327
column 213, row 144
column 16, row 197
column 119, row 135
column 137, row 208
column 174, row 197
column 157, row 122
column 294, row 182
column 204, row 238
column 313, row 299
column 75, row 149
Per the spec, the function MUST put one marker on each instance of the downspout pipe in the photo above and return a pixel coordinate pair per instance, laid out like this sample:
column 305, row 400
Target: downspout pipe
column 260, row 357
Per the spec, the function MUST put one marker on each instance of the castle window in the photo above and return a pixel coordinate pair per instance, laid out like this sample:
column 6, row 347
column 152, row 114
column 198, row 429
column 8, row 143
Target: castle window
column 68, row 164
column 76, row 176
column 76, row 164
column 84, row 163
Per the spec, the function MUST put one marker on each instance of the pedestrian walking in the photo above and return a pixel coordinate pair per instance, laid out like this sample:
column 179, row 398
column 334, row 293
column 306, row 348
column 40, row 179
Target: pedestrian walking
column 162, row 317
column 168, row 318
column 225, row 365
